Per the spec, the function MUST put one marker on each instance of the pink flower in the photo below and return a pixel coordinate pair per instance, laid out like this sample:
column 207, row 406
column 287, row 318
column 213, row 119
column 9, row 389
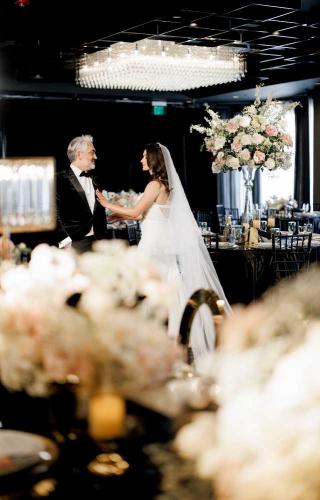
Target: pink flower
column 287, row 139
column 232, row 125
column 259, row 156
column 245, row 154
column 271, row 130
column 209, row 142
column 236, row 145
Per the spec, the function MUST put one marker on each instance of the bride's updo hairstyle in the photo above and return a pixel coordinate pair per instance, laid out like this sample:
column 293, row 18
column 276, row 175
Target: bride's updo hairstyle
column 156, row 164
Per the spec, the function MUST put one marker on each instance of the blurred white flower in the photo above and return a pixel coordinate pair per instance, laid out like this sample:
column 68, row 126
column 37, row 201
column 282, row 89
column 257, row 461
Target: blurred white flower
column 67, row 313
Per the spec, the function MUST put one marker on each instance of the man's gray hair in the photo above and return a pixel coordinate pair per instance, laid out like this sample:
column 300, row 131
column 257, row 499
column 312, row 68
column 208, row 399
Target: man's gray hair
column 78, row 144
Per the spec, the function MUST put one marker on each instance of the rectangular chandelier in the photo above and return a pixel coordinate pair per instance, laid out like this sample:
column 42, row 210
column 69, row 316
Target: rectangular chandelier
column 159, row 65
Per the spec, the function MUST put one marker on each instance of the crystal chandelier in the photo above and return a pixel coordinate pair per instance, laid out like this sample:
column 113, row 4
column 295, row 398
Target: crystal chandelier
column 159, row 65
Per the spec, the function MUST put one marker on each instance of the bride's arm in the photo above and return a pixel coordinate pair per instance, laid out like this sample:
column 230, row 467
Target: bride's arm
column 117, row 217
column 149, row 196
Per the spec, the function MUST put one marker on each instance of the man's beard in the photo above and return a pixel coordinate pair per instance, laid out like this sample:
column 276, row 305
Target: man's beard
column 92, row 166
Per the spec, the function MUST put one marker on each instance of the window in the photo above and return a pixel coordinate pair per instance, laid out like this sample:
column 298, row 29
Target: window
column 280, row 183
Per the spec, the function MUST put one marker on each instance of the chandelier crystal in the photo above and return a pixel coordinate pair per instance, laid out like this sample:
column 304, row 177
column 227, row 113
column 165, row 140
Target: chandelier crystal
column 159, row 65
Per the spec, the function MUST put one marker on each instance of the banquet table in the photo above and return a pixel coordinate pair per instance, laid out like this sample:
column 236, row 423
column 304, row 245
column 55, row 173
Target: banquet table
column 69, row 475
column 245, row 272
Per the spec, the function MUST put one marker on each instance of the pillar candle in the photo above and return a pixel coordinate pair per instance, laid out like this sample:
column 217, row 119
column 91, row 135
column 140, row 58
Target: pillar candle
column 220, row 305
column 271, row 221
column 106, row 414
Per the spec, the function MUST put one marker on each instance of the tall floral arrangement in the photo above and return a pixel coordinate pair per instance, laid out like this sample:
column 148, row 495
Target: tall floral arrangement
column 256, row 137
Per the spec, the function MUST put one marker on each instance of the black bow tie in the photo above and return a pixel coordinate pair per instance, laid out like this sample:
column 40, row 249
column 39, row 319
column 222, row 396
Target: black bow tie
column 88, row 173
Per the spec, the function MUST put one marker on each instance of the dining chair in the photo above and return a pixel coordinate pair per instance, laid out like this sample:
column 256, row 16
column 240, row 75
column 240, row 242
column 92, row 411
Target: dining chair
column 290, row 253
column 197, row 299
column 204, row 216
column 134, row 233
column 221, row 216
column 212, row 243
column 234, row 212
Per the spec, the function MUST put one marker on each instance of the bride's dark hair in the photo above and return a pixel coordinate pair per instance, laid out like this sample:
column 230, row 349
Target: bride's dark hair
column 157, row 164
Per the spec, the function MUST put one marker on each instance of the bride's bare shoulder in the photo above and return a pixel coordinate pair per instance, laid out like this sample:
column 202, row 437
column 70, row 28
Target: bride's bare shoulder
column 153, row 185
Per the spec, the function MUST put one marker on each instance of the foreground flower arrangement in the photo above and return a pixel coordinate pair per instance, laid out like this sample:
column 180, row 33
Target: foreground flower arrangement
column 263, row 442
column 256, row 137
column 92, row 316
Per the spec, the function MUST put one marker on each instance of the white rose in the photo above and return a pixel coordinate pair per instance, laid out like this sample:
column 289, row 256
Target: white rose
column 246, row 140
column 257, row 138
column 252, row 110
column 263, row 123
column 215, row 168
column 245, row 154
column 219, row 142
column 245, row 121
column 270, row 164
column 233, row 162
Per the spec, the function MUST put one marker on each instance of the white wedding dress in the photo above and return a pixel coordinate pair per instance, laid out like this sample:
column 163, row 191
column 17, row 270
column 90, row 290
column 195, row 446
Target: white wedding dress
column 172, row 238
column 157, row 243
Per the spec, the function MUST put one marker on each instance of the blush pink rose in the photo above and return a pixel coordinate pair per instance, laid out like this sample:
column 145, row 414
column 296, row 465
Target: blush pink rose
column 259, row 156
column 271, row 130
column 287, row 139
column 232, row 125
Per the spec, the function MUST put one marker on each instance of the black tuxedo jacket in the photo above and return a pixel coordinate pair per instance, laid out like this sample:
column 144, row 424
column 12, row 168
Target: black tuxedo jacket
column 74, row 217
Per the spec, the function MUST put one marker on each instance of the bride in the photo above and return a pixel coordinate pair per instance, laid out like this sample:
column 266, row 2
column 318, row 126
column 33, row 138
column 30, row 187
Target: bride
column 170, row 236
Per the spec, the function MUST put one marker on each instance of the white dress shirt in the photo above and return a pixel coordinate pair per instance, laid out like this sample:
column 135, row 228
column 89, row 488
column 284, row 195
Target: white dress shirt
column 87, row 186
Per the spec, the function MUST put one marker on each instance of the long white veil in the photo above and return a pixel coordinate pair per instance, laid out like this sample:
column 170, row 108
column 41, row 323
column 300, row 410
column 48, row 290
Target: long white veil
column 193, row 259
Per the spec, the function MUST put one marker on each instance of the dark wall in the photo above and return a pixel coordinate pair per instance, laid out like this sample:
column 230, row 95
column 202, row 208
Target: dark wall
column 44, row 127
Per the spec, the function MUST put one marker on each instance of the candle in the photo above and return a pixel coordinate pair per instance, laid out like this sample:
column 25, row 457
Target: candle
column 220, row 305
column 271, row 221
column 106, row 414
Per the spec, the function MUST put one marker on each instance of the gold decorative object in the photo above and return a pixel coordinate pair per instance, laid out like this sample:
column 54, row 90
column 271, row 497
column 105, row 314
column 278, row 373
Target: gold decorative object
column 213, row 301
column 108, row 464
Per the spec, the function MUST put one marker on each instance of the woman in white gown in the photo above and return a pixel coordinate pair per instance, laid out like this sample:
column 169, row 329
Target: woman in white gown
column 171, row 237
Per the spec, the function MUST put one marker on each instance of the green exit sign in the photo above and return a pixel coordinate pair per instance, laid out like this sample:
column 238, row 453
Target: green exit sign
column 158, row 110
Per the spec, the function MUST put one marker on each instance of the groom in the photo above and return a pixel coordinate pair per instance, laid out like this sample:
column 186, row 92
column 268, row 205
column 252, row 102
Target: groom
column 80, row 218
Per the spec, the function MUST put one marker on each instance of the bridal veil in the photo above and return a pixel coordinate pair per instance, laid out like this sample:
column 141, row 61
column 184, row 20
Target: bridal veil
column 193, row 259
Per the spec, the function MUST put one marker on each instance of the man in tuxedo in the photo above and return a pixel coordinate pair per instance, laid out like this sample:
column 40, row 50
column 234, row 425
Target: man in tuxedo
column 80, row 218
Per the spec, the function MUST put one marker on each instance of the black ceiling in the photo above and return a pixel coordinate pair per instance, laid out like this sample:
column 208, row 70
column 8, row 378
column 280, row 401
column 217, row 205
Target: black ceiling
column 40, row 43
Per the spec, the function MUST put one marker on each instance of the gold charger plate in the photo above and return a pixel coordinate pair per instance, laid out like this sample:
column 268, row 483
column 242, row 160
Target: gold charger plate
column 22, row 450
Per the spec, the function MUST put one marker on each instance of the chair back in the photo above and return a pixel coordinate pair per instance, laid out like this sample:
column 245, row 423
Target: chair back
column 134, row 233
column 204, row 216
column 290, row 253
column 221, row 215
column 212, row 243
column 201, row 296
column 234, row 212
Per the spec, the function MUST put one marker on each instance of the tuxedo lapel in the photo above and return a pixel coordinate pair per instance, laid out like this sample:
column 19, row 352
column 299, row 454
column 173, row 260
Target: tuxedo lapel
column 96, row 186
column 76, row 185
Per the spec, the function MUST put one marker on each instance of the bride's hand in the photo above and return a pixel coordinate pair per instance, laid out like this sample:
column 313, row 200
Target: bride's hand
column 102, row 199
